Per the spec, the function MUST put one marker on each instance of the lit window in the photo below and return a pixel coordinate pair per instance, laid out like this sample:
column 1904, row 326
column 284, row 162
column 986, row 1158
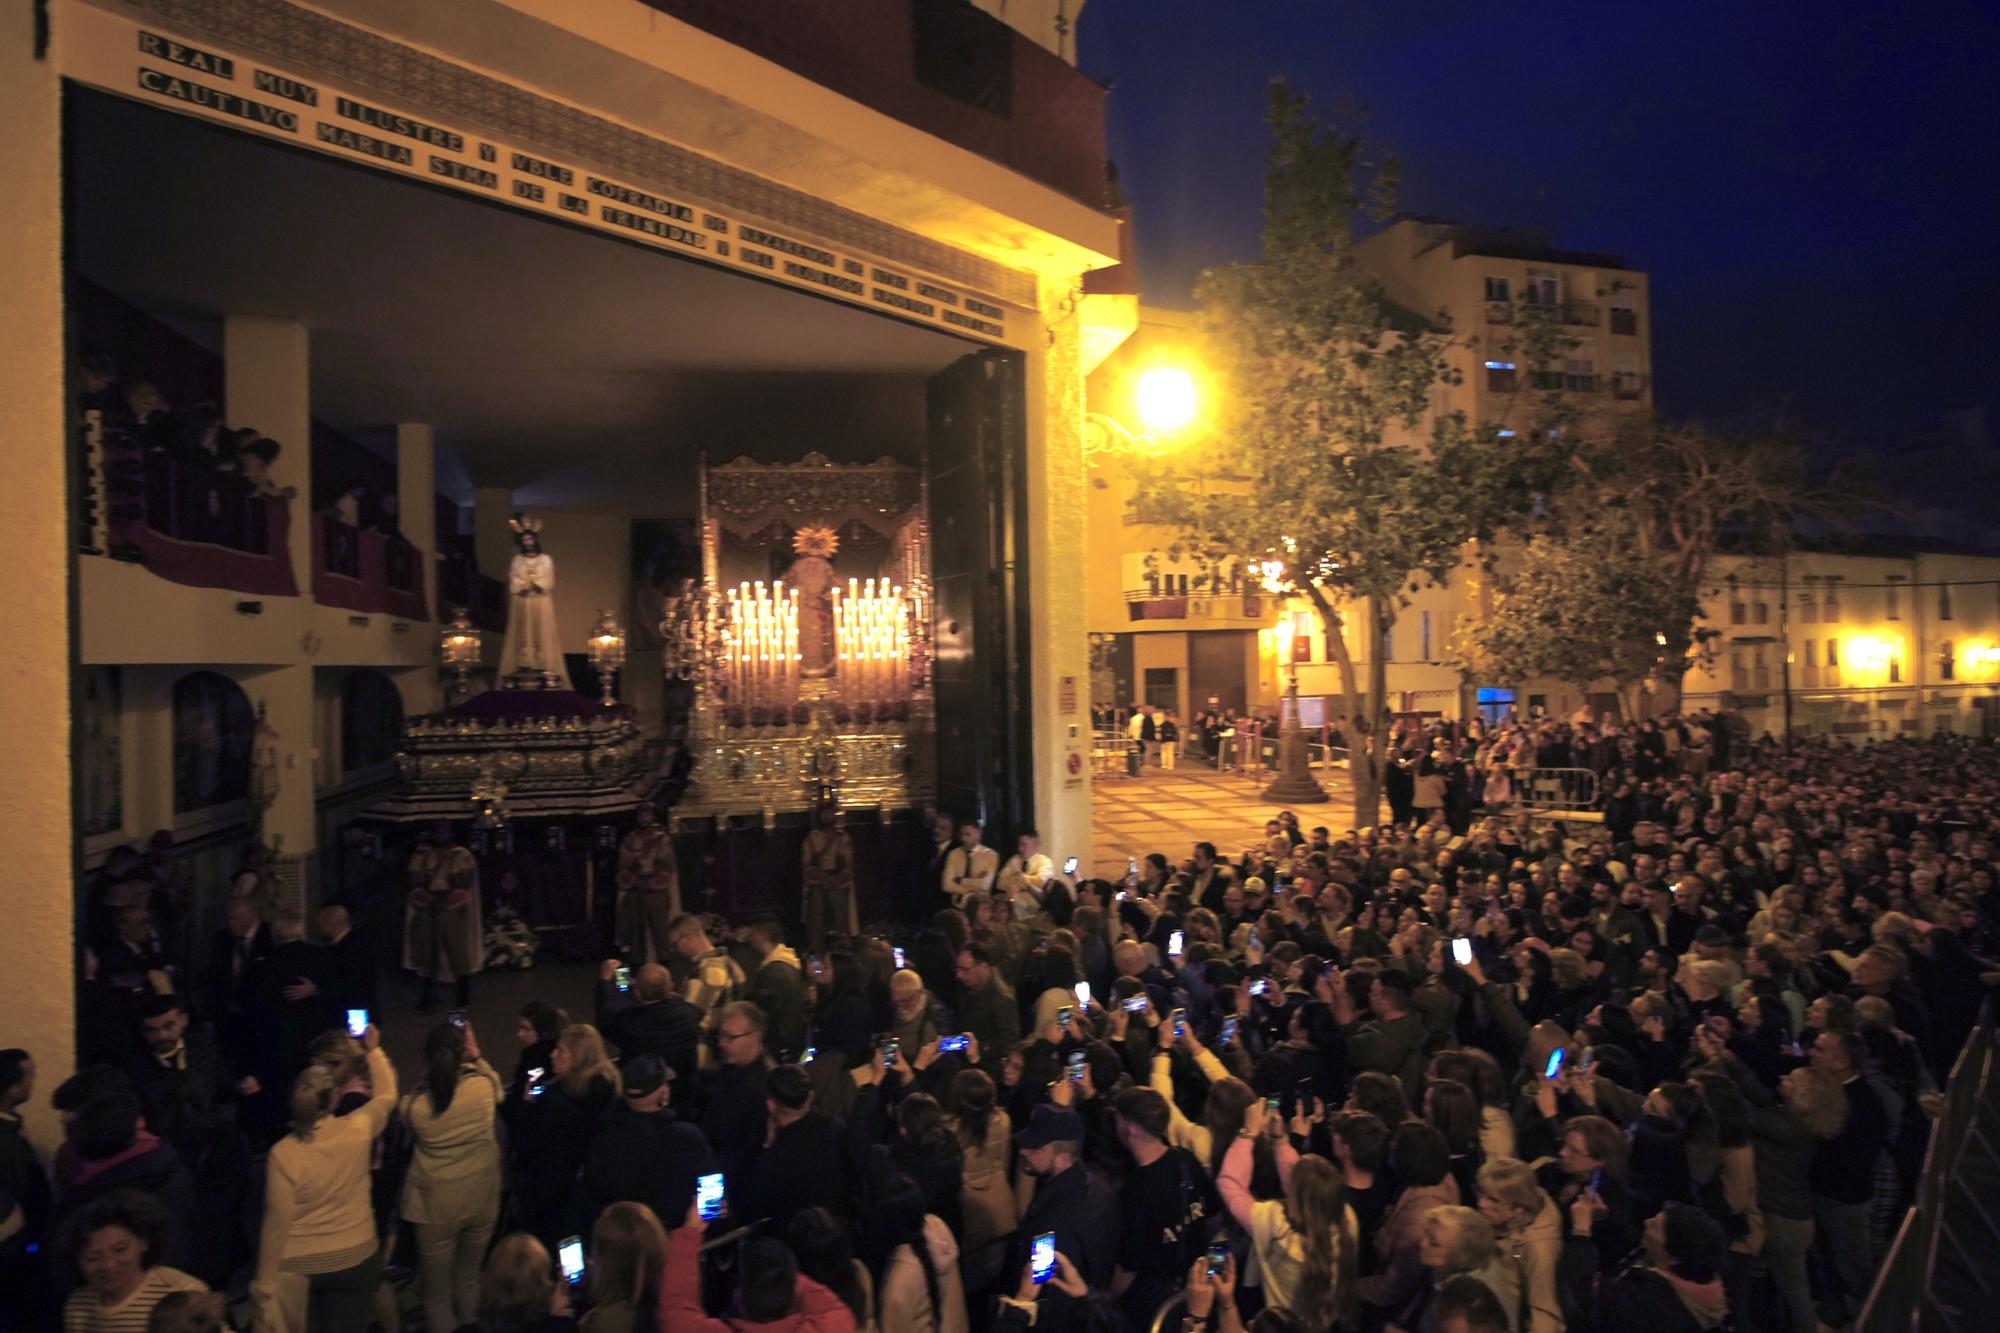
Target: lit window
column 1500, row 377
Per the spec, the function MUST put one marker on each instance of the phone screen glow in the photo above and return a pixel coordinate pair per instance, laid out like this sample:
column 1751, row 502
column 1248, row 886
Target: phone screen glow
column 708, row 1196
column 1555, row 1064
column 1045, row 1256
column 357, row 1022
column 571, row 1255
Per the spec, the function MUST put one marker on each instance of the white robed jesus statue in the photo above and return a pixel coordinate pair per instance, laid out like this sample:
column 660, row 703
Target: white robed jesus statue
column 531, row 643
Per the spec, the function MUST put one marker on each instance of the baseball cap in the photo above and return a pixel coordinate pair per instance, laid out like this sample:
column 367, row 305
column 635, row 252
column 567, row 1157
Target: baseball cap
column 643, row 1075
column 1050, row 1124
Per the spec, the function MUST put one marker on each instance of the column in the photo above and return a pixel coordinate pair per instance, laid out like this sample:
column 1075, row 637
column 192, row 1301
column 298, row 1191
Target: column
column 416, row 501
column 1058, row 580
column 267, row 383
column 39, row 939
column 286, row 695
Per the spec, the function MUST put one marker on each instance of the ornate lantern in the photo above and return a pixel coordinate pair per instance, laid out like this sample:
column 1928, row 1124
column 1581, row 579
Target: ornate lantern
column 458, row 645
column 607, row 654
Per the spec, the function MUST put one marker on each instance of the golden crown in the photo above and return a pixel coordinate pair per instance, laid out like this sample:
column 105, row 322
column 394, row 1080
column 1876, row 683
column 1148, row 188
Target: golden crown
column 816, row 539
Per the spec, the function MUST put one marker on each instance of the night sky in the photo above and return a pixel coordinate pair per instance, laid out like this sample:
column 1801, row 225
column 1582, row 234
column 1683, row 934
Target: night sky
column 1815, row 189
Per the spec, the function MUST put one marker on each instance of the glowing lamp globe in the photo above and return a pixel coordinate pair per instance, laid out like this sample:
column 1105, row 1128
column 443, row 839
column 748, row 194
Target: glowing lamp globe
column 1166, row 399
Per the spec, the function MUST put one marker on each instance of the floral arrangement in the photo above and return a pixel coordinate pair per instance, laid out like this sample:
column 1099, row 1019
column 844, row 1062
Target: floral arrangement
column 509, row 941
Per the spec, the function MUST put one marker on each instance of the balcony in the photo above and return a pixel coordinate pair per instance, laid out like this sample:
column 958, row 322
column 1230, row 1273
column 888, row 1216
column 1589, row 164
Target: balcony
column 184, row 520
column 1176, row 603
column 1628, row 384
column 1499, row 312
column 359, row 569
column 945, row 68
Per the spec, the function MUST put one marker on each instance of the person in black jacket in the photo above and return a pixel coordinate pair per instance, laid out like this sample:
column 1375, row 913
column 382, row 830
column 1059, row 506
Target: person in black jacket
column 650, row 1019
column 803, row 1162
column 778, row 987
column 644, row 1154
column 109, row 1150
column 732, row 1094
column 1675, row 1288
column 557, row 1129
column 1843, row 1174
column 1068, row 1201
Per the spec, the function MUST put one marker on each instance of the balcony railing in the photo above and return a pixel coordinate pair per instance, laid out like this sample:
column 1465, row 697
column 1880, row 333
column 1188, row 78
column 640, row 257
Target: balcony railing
column 1580, row 312
column 1628, row 385
column 1499, row 312
column 1172, row 603
column 375, row 573
column 182, row 518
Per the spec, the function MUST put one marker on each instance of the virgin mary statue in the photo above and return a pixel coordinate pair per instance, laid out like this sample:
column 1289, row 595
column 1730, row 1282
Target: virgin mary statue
column 812, row 575
column 531, row 643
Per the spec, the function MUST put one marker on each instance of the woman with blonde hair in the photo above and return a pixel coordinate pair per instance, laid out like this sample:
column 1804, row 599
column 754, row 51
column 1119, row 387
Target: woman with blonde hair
column 1305, row 1243
column 628, row 1252
column 518, row 1292
column 1528, row 1227
column 318, row 1257
column 557, row 1128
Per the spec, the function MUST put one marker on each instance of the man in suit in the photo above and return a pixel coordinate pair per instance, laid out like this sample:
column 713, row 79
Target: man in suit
column 1211, row 878
column 238, row 983
column 347, row 966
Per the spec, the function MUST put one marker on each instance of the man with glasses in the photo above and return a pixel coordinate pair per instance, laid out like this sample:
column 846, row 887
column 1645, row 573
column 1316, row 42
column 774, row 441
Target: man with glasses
column 717, row 978
column 986, row 1007
column 733, row 1112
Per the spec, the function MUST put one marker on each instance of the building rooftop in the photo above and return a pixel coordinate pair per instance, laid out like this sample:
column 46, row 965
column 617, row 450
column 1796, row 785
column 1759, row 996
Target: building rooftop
column 1506, row 243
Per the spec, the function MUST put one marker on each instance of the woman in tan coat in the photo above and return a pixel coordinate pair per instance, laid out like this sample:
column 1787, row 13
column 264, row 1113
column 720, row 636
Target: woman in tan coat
column 985, row 1140
column 452, row 1195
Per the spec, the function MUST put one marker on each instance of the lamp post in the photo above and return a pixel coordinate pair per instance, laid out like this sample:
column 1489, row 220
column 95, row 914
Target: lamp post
column 607, row 654
column 458, row 646
column 1294, row 783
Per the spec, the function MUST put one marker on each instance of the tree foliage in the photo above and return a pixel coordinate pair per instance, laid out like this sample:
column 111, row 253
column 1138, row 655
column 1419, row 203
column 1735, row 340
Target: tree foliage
column 1327, row 453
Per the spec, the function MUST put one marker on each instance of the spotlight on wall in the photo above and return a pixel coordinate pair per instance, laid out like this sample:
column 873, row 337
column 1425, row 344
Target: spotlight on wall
column 249, row 608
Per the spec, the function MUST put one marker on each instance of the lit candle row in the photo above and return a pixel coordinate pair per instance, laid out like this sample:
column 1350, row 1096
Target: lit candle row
column 760, row 645
column 871, row 636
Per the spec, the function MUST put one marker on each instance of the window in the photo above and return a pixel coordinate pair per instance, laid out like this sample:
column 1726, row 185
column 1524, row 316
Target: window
column 99, row 750
column 1760, row 613
column 1579, row 374
column 1427, row 636
column 1544, row 289
column 1832, row 611
column 965, row 54
column 1389, row 644
column 1947, row 661
column 1892, row 598
column 1833, row 652
column 1628, row 383
column 1812, row 661
column 1624, row 319
column 1500, row 376
column 1496, row 289
column 1738, row 612
column 1895, row 671
column 1546, row 379
column 371, row 720
column 1739, row 672
column 1809, row 602
column 1944, row 601
column 213, row 728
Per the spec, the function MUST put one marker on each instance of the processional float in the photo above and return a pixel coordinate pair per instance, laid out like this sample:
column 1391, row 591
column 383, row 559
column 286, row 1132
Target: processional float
column 807, row 639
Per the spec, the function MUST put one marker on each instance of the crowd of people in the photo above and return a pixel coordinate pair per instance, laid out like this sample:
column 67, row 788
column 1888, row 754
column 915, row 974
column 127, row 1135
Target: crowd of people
column 1669, row 1072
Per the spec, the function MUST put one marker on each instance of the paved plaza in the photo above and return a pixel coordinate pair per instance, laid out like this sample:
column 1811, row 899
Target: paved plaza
column 1169, row 810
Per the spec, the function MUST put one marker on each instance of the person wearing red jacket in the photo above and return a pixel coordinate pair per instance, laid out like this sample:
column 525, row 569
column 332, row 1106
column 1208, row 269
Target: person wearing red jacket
column 771, row 1297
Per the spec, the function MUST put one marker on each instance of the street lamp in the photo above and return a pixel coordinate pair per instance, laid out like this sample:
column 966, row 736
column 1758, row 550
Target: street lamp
column 1293, row 783
column 1166, row 399
column 458, row 645
column 607, row 654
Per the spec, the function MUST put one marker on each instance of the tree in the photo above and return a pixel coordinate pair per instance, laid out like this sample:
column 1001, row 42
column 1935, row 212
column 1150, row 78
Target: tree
column 1583, row 606
column 1327, row 459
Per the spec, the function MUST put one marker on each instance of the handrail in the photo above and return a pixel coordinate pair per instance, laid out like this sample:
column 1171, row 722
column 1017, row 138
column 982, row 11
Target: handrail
column 1905, row 1296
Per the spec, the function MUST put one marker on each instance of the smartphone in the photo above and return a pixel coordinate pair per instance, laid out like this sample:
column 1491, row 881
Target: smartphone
column 1261, row 986
column 1555, row 1064
column 570, row 1255
column 708, row 1196
column 1275, row 1105
column 457, row 1019
column 1136, row 1005
column 1218, row 1258
column 888, row 1051
column 1083, row 993
column 898, row 951
column 1585, row 1060
column 357, row 1022
column 1065, row 1016
column 1253, row 938
column 1076, row 1064
column 1174, row 941
column 1122, row 896
column 807, row 1058
column 1229, row 1029
column 1597, row 1182
column 1179, row 1020
column 1069, row 866
column 1043, row 1256
column 1131, row 871
column 958, row 1043
column 1461, row 951
column 622, row 978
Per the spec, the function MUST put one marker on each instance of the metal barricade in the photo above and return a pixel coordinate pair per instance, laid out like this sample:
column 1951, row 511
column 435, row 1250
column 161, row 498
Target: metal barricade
column 1571, row 790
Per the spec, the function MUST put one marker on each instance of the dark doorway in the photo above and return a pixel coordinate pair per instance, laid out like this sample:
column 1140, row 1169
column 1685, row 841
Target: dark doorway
column 1217, row 662
column 978, row 506
column 1163, row 688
